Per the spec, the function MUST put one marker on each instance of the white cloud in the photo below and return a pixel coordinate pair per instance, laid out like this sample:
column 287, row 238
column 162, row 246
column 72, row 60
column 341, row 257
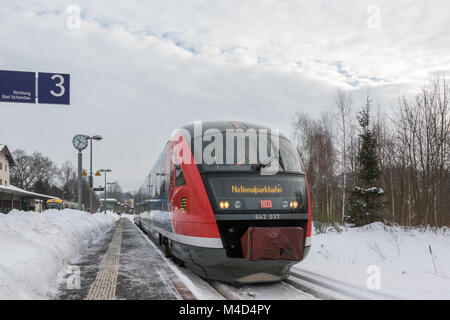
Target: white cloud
column 139, row 69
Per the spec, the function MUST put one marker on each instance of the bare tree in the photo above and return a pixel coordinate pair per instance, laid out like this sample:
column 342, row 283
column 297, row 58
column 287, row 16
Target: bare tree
column 413, row 148
column 314, row 140
column 343, row 102
column 422, row 139
column 31, row 168
column 114, row 190
column 68, row 180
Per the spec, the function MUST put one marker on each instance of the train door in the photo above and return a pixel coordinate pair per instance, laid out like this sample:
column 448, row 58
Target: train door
column 178, row 191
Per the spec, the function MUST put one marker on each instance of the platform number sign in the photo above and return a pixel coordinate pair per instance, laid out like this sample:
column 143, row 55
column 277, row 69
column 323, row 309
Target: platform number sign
column 53, row 88
column 32, row 87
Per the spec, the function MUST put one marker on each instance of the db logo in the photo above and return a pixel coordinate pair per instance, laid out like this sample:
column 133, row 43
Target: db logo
column 266, row 203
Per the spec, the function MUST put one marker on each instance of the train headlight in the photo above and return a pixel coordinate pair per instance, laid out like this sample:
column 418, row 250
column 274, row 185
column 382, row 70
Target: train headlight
column 183, row 204
column 237, row 204
column 224, row 204
column 285, row 204
column 293, row 204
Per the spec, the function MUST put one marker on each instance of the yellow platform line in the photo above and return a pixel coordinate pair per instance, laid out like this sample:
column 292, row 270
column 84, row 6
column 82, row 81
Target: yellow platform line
column 104, row 286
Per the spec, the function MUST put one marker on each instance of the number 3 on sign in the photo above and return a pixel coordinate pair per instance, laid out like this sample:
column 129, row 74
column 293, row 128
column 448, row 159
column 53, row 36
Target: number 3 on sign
column 59, row 85
column 54, row 88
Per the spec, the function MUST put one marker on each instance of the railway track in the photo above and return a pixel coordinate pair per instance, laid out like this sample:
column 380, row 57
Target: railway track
column 206, row 290
column 328, row 288
column 301, row 285
column 271, row 291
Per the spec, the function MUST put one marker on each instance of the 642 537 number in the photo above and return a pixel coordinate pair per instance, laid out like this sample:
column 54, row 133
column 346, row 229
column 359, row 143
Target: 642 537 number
column 267, row 216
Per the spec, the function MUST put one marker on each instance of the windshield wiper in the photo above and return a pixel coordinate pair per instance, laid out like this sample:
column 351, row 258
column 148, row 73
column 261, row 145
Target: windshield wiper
column 280, row 161
column 263, row 163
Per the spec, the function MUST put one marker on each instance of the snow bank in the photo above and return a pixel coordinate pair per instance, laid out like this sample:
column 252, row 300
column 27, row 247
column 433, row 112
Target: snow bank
column 35, row 247
column 407, row 268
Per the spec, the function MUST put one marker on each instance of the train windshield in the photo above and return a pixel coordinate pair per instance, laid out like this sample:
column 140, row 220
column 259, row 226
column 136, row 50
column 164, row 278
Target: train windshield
column 53, row 205
column 279, row 192
column 247, row 153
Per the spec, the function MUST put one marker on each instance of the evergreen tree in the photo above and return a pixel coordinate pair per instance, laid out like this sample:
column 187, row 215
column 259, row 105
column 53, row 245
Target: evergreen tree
column 41, row 186
column 366, row 198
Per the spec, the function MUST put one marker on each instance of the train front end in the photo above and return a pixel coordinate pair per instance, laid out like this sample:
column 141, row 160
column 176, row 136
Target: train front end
column 259, row 200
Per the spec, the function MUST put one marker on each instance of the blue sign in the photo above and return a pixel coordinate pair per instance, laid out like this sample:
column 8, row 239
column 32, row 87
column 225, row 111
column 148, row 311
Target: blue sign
column 17, row 86
column 53, row 88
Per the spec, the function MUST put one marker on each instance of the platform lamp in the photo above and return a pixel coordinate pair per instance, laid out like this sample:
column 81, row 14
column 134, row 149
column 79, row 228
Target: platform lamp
column 105, row 171
column 91, row 182
column 111, row 184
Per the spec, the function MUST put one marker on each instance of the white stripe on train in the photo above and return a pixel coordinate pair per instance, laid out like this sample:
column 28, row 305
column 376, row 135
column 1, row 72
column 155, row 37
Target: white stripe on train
column 193, row 241
column 200, row 241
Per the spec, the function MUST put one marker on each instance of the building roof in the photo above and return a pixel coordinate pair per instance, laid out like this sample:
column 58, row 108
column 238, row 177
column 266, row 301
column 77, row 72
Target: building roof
column 108, row 200
column 4, row 149
column 20, row 192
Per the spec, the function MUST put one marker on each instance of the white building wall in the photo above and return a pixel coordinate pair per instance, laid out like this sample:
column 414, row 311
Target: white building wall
column 4, row 170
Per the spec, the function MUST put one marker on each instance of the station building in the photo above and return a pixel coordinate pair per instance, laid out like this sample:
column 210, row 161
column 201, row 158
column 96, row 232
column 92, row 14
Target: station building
column 12, row 197
column 6, row 162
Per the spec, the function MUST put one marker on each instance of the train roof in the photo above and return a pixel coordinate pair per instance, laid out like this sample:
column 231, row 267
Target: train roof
column 225, row 125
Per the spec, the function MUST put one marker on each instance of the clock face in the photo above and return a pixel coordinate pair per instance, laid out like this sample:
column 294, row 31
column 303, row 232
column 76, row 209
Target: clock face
column 80, row 142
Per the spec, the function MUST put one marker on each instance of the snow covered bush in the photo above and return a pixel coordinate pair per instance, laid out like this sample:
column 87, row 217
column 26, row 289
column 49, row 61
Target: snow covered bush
column 414, row 262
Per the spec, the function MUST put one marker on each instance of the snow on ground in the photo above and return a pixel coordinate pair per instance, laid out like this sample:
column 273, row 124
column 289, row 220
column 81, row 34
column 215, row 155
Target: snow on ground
column 128, row 216
column 36, row 247
column 407, row 268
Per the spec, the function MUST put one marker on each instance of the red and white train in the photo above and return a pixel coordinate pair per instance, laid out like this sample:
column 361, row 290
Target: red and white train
column 226, row 219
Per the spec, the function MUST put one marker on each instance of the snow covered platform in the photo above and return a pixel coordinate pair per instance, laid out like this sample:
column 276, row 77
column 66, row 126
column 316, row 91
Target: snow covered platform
column 124, row 265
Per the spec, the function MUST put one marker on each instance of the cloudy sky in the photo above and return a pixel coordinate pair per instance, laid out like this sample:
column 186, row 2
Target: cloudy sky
column 140, row 69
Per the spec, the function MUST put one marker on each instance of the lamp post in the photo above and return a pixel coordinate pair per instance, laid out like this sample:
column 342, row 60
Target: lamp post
column 91, row 184
column 105, row 171
column 114, row 205
column 80, row 142
column 80, row 181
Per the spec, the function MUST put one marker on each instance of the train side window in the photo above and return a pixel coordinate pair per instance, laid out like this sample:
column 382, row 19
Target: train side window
column 172, row 164
column 163, row 185
column 152, row 185
column 180, row 180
